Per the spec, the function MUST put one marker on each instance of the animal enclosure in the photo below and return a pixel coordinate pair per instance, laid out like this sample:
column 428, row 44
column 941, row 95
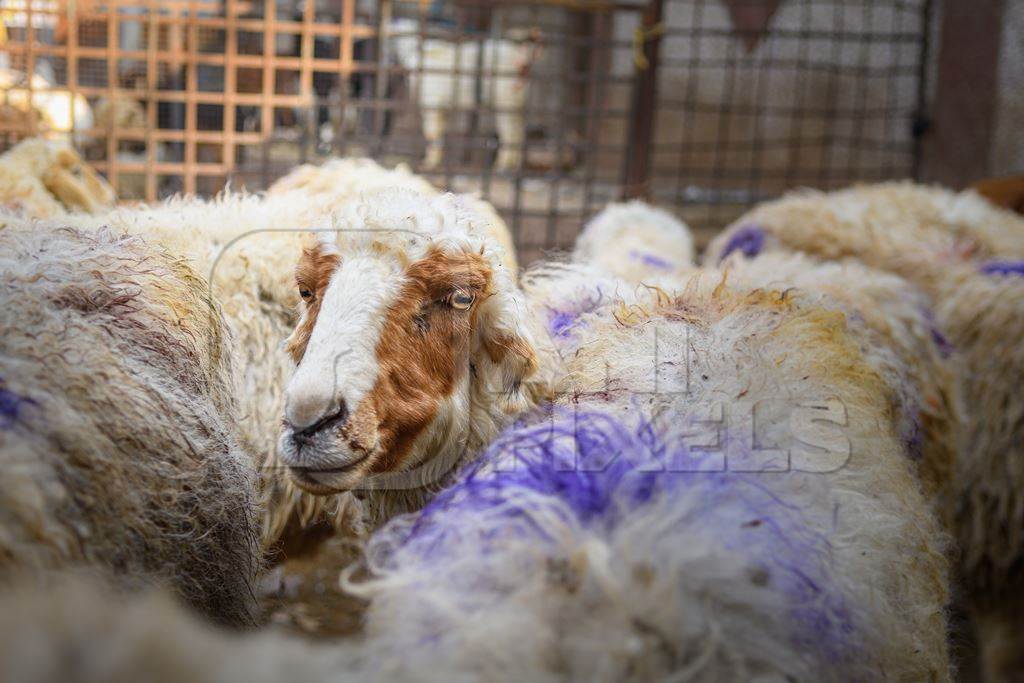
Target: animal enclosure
column 547, row 108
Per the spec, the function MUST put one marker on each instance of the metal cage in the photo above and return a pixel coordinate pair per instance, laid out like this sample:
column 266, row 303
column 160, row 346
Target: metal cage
column 548, row 108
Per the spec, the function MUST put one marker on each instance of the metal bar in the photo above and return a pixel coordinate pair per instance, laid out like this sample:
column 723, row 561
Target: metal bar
column 227, row 154
column 636, row 174
column 960, row 139
column 152, row 83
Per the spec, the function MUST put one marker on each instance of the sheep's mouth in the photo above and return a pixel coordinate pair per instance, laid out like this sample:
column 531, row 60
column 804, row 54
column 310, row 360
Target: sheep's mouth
column 330, row 480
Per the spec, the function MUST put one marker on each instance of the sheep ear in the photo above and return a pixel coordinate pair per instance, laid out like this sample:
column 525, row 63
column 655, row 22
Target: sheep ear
column 506, row 357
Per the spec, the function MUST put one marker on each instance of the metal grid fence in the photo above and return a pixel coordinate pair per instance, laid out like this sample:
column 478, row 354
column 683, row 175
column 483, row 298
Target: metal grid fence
column 548, row 108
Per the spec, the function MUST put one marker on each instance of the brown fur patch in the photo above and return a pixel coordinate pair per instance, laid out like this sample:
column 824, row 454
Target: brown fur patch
column 312, row 273
column 424, row 348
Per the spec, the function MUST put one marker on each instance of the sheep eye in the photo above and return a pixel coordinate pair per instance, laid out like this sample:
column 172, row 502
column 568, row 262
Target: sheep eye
column 460, row 300
column 305, row 294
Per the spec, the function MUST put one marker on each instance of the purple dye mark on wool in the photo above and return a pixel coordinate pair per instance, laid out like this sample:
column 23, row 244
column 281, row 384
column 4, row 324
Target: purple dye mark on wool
column 649, row 259
column 592, row 470
column 560, row 323
column 10, row 406
column 913, row 440
column 1003, row 268
column 944, row 346
column 749, row 239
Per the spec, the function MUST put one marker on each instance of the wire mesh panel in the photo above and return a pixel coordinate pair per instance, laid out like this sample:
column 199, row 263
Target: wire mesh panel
column 548, row 108
column 759, row 97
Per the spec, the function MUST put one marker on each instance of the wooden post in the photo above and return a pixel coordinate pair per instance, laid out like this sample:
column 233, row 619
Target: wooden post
column 636, row 174
column 958, row 138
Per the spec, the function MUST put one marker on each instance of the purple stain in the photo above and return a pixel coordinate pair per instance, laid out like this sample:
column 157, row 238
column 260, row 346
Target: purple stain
column 1003, row 268
column 560, row 323
column 944, row 346
column 651, row 260
column 913, row 440
column 749, row 239
column 10, row 406
column 594, row 470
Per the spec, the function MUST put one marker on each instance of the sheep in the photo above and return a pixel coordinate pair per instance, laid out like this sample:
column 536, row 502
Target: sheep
column 339, row 180
column 892, row 323
column 876, row 224
column 888, row 317
column 55, row 108
column 44, row 178
column 115, row 405
column 632, row 531
column 635, row 241
column 412, row 350
column 78, row 629
column 248, row 247
column 442, row 75
column 961, row 252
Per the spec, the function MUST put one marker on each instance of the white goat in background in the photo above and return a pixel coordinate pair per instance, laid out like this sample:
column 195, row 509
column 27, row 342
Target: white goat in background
column 443, row 76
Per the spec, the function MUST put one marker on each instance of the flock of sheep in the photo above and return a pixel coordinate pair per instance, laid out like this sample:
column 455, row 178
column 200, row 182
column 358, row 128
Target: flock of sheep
column 797, row 461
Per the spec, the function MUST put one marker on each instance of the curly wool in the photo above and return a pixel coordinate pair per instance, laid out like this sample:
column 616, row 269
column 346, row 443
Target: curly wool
column 876, row 224
column 75, row 628
column 564, row 555
column 339, row 180
column 42, row 178
column 892, row 323
column 636, row 242
column 114, row 397
column 248, row 247
column 568, row 552
column 959, row 250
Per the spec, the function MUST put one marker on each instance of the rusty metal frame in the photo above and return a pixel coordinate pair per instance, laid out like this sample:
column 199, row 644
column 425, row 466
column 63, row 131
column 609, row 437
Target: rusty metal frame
column 186, row 40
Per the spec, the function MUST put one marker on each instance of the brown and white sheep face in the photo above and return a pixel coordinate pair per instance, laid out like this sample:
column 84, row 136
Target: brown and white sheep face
column 398, row 339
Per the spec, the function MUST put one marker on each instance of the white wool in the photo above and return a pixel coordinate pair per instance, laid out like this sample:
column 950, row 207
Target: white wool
column 340, row 180
column 891, row 322
column 939, row 241
column 117, row 432
column 636, row 242
column 249, row 247
column 42, row 178
column 632, row 606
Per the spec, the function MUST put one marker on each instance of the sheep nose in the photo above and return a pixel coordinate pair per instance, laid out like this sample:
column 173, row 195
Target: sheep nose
column 303, row 436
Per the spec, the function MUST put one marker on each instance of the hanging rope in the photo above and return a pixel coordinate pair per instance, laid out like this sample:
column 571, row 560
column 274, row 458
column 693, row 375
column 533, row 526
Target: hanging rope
column 640, row 37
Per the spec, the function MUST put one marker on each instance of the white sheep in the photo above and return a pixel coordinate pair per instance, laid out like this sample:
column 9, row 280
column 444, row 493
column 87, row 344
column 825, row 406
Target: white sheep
column 340, row 180
column 631, row 532
column 77, row 629
column 444, row 77
column 892, row 323
column 248, row 246
column 116, row 440
column 634, row 533
column 58, row 110
column 637, row 242
column 965, row 256
column 42, row 178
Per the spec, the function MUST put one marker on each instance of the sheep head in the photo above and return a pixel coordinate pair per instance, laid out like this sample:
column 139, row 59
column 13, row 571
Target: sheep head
column 411, row 348
column 75, row 184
